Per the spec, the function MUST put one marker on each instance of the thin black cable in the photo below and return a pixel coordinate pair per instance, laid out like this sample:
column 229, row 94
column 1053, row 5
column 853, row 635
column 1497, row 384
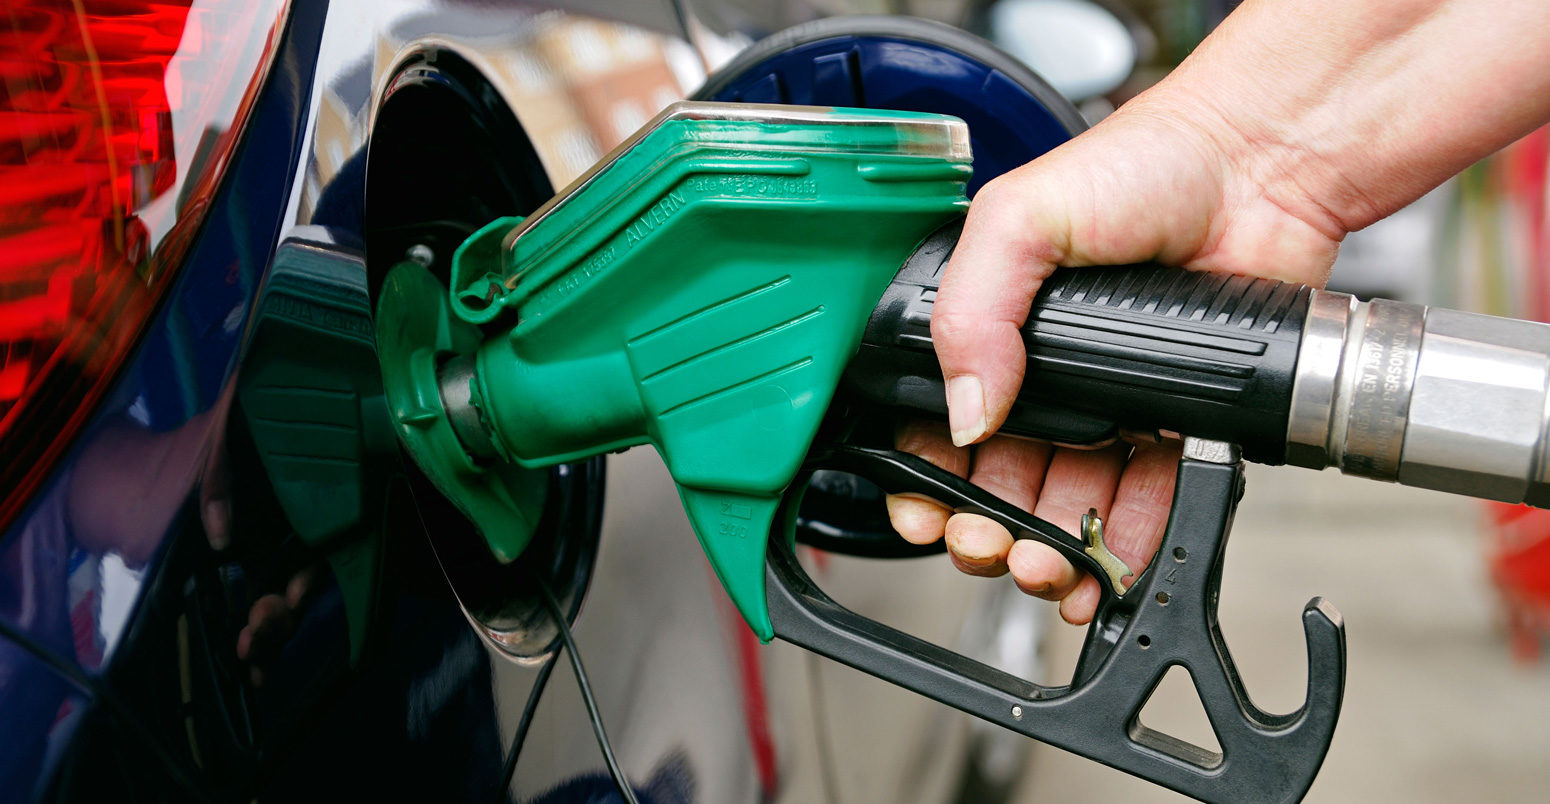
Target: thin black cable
column 586, row 695
column 522, row 725
column 77, row 678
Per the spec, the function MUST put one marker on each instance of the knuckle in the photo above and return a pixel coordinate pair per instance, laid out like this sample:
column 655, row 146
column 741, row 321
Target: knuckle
column 930, row 441
column 951, row 326
column 1019, row 459
column 1151, row 490
column 992, row 194
column 1013, row 483
column 1001, row 482
column 1137, row 524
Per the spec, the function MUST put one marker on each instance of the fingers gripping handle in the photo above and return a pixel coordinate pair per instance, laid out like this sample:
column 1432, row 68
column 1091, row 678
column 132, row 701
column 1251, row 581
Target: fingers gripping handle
column 1133, row 347
column 900, row 471
column 1166, row 618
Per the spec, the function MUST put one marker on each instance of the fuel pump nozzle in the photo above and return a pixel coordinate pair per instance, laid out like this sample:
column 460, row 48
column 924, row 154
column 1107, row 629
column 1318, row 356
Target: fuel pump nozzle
column 701, row 289
column 727, row 286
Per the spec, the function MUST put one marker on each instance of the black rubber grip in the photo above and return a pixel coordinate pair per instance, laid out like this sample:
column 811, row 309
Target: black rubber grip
column 1135, row 348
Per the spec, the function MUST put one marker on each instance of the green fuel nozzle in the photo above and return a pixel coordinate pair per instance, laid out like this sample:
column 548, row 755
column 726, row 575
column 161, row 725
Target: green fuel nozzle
column 716, row 282
column 701, row 290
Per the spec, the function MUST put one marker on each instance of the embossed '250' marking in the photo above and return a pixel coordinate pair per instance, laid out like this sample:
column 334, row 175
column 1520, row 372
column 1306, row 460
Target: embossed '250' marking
column 733, row 530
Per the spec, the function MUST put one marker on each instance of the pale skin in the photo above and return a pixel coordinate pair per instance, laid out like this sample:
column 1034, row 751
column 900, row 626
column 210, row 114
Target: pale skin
column 1295, row 123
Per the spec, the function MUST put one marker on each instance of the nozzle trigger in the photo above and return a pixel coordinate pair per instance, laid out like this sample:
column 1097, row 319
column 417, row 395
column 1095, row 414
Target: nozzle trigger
column 1166, row 618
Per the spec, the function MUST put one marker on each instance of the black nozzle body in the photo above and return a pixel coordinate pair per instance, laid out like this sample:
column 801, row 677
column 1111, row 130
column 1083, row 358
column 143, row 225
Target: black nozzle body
column 1135, row 348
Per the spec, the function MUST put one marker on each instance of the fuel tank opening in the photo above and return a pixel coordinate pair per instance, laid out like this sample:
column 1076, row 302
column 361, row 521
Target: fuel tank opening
column 446, row 156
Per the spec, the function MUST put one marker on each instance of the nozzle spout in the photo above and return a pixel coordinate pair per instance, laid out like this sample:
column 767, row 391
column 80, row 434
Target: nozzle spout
column 1433, row 398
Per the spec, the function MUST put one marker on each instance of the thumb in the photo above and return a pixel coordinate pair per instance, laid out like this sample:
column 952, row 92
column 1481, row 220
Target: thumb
column 1005, row 252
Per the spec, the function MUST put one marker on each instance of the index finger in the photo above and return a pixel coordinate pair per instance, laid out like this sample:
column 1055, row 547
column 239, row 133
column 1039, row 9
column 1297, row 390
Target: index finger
column 1003, row 255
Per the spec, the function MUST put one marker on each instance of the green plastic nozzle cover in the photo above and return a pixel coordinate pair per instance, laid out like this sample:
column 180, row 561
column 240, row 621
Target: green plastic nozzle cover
column 702, row 291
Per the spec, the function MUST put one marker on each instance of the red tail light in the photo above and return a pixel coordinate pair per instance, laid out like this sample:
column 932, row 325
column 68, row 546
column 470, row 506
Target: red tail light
column 117, row 119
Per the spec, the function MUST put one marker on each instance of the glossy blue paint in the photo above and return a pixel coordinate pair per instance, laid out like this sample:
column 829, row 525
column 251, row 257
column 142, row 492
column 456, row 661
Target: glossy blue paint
column 166, row 394
column 41, row 711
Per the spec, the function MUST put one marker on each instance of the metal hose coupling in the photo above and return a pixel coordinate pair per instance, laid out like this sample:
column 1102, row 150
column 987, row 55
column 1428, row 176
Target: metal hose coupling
column 1431, row 398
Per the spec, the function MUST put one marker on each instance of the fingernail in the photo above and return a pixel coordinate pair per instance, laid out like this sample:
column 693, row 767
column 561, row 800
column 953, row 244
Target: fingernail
column 965, row 409
column 1035, row 589
column 977, row 562
column 970, row 565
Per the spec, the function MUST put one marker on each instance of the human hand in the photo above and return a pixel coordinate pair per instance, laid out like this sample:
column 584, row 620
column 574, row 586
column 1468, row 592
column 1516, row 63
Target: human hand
column 1163, row 180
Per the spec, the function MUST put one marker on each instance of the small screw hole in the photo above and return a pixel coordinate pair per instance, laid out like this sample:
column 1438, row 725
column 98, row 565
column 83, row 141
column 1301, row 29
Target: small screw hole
column 1144, row 641
column 1163, row 598
column 1179, row 554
